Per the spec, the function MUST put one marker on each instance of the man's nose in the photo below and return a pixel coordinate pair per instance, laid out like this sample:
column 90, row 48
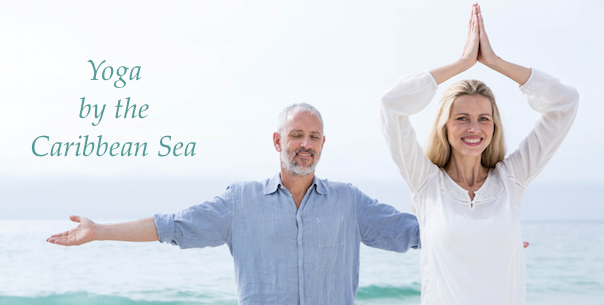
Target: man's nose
column 306, row 143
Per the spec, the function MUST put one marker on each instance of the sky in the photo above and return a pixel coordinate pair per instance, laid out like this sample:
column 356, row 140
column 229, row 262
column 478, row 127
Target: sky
column 217, row 74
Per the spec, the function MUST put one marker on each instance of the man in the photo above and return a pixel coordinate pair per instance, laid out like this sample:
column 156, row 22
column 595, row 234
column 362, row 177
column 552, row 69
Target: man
column 294, row 238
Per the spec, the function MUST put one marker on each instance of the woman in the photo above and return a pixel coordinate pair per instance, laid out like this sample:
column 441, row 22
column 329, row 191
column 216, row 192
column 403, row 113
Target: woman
column 467, row 197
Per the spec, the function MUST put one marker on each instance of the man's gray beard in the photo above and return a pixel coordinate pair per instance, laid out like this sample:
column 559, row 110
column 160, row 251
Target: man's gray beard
column 290, row 165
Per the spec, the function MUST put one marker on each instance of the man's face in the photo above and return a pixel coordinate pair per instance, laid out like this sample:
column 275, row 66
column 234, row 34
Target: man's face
column 300, row 143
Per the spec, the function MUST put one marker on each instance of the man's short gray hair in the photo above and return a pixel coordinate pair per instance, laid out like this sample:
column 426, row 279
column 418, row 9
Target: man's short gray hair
column 293, row 109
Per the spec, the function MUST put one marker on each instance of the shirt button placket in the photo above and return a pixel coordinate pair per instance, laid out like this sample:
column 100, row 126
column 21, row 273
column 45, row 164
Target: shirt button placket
column 300, row 227
column 300, row 257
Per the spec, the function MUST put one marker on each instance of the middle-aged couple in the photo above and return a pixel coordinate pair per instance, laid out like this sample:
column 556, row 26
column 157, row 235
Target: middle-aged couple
column 295, row 238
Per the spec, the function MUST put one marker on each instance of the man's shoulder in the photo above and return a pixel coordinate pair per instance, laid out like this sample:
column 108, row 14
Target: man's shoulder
column 336, row 185
column 248, row 185
column 332, row 183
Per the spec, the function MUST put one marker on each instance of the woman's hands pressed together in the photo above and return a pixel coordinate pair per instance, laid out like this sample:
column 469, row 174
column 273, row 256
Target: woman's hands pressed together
column 486, row 56
column 472, row 45
column 478, row 48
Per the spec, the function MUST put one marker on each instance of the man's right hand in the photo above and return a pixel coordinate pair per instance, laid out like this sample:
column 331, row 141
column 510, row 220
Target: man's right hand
column 79, row 235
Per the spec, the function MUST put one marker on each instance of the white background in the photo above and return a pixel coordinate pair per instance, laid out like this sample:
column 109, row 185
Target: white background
column 219, row 72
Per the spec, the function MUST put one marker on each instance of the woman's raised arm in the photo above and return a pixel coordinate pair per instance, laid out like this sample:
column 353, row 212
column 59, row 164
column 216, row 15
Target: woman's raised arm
column 470, row 52
column 488, row 58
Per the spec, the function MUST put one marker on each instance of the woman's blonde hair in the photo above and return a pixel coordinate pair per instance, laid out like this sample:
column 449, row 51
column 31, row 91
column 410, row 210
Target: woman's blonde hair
column 438, row 149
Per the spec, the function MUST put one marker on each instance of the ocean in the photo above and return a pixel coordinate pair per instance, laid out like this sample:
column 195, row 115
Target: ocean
column 565, row 265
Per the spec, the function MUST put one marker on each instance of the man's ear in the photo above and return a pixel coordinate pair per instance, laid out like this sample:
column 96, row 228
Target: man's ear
column 277, row 141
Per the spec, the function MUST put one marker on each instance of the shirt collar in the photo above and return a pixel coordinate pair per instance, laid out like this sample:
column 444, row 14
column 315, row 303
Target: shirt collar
column 275, row 182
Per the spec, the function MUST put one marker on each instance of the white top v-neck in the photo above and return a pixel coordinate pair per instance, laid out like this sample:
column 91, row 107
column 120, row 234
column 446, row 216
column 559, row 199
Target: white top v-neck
column 464, row 196
column 472, row 251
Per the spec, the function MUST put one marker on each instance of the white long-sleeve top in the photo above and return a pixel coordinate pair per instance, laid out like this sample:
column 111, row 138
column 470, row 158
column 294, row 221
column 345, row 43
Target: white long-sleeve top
column 472, row 251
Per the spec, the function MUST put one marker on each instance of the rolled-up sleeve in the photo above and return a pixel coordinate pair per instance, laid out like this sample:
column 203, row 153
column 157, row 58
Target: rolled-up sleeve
column 382, row 226
column 199, row 226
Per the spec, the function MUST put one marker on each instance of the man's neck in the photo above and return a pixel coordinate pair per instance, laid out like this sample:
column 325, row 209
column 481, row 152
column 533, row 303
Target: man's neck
column 296, row 185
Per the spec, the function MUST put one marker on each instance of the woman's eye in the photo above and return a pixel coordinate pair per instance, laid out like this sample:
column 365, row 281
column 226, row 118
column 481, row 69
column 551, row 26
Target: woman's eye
column 484, row 119
column 461, row 119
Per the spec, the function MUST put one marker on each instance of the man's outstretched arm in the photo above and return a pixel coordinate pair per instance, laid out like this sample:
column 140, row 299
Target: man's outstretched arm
column 87, row 231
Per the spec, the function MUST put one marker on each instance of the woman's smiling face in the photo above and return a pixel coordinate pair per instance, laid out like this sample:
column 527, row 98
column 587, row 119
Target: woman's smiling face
column 470, row 126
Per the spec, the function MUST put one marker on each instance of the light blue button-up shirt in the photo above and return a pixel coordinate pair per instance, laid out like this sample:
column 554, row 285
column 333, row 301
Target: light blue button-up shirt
column 288, row 256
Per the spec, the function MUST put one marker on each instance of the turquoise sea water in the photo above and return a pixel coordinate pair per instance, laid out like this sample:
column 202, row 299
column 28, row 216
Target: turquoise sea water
column 565, row 265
